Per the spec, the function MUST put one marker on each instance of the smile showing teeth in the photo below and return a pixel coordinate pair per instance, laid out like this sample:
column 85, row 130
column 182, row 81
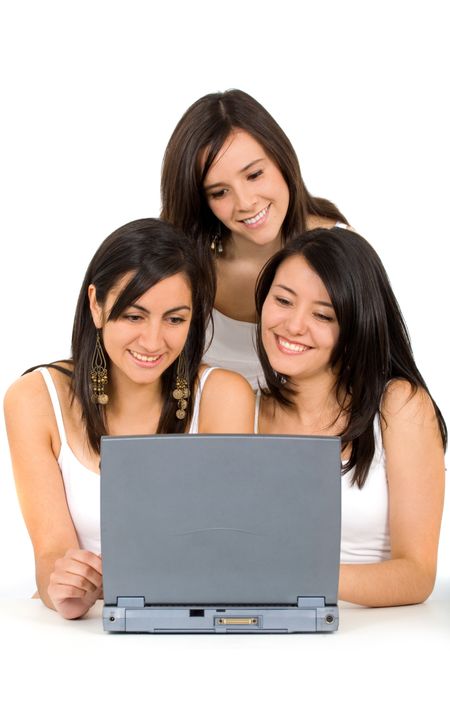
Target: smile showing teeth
column 141, row 357
column 259, row 216
column 289, row 346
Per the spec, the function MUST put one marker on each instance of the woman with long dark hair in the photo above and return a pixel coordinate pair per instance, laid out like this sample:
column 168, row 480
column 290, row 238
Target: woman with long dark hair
column 232, row 181
column 137, row 345
column 337, row 361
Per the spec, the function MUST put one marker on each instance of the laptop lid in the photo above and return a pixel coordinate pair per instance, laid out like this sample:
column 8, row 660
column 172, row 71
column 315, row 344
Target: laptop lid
column 220, row 519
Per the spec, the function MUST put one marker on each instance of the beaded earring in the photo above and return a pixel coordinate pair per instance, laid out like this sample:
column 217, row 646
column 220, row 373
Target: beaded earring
column 99, row 374
column 181, row 391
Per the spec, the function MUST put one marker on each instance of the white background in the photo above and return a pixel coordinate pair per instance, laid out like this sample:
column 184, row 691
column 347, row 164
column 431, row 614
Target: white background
column 91, row 92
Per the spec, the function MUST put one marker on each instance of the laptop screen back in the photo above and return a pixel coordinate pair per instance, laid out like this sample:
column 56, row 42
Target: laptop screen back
column 220, row 519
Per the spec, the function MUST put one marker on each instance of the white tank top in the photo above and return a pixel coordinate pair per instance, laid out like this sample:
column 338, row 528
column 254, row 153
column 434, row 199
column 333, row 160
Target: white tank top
column 365, row 512
column 82, row 485
column 233, row 345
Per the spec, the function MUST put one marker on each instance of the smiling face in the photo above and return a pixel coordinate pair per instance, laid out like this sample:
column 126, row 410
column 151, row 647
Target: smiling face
column 150, row 333
column 298, row 323
column 246, row 190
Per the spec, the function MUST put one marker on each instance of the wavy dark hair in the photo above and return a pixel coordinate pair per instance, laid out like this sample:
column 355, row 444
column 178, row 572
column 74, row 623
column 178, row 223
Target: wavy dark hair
column 151, row 250
column 207, row 124
column 373, row 345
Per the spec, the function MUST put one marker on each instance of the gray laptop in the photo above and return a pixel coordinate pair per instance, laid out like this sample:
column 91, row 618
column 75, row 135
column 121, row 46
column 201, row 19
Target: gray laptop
column 220, row 533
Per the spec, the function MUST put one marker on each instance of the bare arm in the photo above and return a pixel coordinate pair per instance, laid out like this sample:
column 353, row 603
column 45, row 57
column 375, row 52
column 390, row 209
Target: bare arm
column 227, row 404
column 68, row 579
column 415, row 471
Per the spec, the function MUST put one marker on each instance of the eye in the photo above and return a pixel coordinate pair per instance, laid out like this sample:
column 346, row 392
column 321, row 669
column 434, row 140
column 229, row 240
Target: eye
column 176, row 320
column 255, row 175
column 217, row 194
column 133, row 317
column 282, row 301
column 324, row 317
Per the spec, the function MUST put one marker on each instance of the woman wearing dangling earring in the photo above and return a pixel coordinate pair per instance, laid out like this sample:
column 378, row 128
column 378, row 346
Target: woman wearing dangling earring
column 231, row 180
column 137, row 344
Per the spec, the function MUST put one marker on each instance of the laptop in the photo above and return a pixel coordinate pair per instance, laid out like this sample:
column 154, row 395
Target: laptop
column 220, row 533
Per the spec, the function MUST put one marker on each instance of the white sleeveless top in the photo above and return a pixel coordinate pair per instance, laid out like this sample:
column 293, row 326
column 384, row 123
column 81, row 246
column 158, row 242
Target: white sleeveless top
column 233, row 345
column 82, row 485
column 365, row 512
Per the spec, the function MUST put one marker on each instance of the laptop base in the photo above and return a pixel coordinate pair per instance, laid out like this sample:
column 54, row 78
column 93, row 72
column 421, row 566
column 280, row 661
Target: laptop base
column 251, row 619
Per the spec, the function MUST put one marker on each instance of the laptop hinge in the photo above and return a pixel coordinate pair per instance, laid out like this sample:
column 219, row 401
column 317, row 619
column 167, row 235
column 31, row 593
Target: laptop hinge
column 310, row 602
column 131, row 602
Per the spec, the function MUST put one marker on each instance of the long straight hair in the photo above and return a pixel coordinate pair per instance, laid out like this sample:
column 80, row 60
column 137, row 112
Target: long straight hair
column 205, row 126
column 373, row 346
column 149, row 250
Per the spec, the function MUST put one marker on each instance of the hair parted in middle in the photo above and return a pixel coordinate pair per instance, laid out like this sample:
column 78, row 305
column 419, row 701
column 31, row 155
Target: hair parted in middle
column 373, row 346
column 201, row 133
column 151, row 250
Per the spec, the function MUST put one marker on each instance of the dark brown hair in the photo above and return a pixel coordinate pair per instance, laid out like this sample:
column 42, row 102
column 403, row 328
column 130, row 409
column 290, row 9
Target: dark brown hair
column 373, row 345
column 207, row 124
column 151, row 251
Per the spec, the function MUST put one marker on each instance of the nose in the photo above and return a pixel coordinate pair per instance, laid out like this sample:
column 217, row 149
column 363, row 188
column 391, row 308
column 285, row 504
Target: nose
column 245, row 198
column 296, row 324
column 150, row 336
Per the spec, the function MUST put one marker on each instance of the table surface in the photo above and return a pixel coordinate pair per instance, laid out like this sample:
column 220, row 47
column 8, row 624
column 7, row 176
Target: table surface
column 399, row 652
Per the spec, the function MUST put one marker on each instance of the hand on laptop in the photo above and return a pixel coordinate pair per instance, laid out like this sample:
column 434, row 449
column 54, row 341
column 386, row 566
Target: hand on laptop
column 75, row 583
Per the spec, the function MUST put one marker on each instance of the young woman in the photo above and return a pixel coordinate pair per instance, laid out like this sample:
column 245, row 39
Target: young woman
column 337, row 361
column 232, row 181
column 137, row 345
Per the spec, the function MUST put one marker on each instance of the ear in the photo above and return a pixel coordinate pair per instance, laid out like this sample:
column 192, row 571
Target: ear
column 96, row 310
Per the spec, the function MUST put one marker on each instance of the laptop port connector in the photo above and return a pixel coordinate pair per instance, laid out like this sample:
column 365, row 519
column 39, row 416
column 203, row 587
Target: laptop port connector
column 237, row 621
column 196, row 612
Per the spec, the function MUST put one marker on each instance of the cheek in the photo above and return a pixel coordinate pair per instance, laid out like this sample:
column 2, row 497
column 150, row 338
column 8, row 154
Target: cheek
column 269, row 319
column 334, row 336
column 178, row 337
column 282, row 189
column 217, row 207
column 110, row 340
column 329, row 340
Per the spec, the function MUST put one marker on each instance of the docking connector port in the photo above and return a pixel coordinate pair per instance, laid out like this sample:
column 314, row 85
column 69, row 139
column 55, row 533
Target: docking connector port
column 237, row 621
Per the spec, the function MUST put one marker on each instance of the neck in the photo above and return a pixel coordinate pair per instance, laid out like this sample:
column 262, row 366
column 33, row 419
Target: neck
column 240, row 248
column 132, row 401
column 316, row 403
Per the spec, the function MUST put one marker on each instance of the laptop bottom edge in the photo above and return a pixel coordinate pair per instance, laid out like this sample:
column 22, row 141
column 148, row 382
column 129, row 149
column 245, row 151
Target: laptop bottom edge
column 256, row 619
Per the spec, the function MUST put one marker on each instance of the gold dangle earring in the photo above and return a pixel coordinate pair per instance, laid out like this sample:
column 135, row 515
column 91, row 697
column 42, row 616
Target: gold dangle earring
column 99, row 374
column 181, row 391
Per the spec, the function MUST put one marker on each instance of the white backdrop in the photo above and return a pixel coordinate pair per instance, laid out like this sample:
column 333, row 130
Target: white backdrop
column 91, row 92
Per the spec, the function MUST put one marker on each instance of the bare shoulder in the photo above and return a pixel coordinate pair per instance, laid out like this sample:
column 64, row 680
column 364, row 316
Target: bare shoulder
column 322, row 222
column 313, row 221
column 28, row 395
column 227, row 404
column 401, row 398
column 31, row 386
column 223, row 381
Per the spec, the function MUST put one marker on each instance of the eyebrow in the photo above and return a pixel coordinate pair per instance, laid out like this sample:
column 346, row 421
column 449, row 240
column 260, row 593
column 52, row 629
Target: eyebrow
column 244, row 169
column 169, row 311
column 288, row 289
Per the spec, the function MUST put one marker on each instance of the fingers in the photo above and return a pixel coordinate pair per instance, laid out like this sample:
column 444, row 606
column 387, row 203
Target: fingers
column 78, row 569
column 85, row 557
column 76, row 575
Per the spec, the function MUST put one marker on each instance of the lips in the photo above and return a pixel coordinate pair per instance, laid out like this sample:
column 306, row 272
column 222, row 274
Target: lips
column 145, row 360
column 257, row 219
column 291, row 347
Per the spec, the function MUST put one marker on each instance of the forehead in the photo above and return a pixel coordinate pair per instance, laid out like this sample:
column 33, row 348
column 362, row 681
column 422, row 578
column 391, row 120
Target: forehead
column 161, row 294
column 296, row 273
column 238, row 150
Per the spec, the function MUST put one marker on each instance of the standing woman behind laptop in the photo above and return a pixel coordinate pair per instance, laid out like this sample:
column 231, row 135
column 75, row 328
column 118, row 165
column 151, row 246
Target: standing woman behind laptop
column 338, row 361
column 231, row 180
column 137, row 345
